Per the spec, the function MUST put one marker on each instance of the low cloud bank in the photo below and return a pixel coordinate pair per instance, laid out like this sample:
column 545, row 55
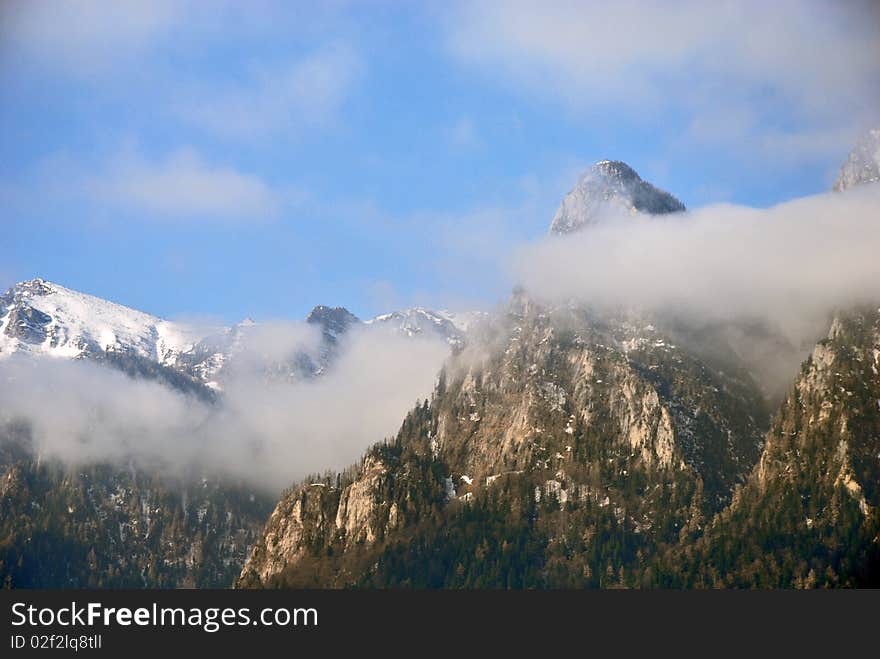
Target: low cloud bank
column 265, row 430
column 783, row 269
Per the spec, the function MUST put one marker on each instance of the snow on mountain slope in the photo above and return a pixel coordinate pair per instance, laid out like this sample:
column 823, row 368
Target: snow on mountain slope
column 41, row 317
column 420, row 321
column 610, row 186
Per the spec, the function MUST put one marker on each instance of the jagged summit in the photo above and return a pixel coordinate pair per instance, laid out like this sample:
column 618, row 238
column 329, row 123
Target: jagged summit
column 863, row 163
column 333, row 320
column 610, row 185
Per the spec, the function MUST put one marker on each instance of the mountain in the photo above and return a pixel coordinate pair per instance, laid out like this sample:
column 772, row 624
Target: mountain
column 863, row 163
column 809, row 515
column 99, row 525
column 334, row 322
column 565, row 448
column 106, row 524
column 418, row 321
column 561, row 447
column 42, row 318
column 549, row 419
column 610, row 186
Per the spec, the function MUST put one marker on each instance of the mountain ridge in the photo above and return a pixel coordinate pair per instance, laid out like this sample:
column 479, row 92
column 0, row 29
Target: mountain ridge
column 42, row 318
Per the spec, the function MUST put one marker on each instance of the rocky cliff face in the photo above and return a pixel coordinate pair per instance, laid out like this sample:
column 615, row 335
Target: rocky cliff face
column 610, row 187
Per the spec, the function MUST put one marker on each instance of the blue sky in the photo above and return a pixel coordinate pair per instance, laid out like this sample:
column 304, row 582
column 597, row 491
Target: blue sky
column 255, row 159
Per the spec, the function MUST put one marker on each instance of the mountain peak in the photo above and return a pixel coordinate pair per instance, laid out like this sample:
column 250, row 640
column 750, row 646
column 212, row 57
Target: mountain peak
column 610, row 185
column 332, row 320
column 36, row 286
column 863, row 163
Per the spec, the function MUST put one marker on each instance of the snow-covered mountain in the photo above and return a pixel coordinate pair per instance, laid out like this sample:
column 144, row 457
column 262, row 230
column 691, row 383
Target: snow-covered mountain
column 37, row 316
column 43, row 318
column 610, row 186
column 863, row 163
column 420, row 321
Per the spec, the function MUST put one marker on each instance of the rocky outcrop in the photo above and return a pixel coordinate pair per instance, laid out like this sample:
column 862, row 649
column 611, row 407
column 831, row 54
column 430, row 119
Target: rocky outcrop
column 333, row 321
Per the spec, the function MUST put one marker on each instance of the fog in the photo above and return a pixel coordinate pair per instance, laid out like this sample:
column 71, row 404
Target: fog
column 765, row 279
column 267, row 431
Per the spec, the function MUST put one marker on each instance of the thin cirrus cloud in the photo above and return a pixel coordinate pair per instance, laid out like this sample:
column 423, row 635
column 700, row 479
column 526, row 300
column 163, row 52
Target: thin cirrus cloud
column 85, row 38
column 279, row 98
column 818, row 62
column 256, row 92
column 183, row 184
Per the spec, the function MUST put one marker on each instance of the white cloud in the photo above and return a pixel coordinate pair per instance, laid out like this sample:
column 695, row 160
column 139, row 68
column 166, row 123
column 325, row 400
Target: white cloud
column 182, row 185
column 805, row 256
column 266, row 431
column 779, row 71
column 286, row 98
column 85, row 37
column 253, row 88
column 786, row 268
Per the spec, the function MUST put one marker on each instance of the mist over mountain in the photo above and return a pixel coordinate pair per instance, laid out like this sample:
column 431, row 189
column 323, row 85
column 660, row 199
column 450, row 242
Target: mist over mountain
column 622, row 419
column 762, row 283
column 608, row 428
column 156, row 448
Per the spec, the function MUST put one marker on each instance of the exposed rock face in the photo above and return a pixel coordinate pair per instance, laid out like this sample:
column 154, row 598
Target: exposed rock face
column 863, row 163
column 28, row 324
column 563, row 372
column 610, row 186
column 357, row 506
column 333, row 322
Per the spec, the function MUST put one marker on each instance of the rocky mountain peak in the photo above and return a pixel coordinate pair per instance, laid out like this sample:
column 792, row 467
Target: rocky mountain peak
column 863, row 163
column 610, row 185
column 35, row 286
column 332, row 320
